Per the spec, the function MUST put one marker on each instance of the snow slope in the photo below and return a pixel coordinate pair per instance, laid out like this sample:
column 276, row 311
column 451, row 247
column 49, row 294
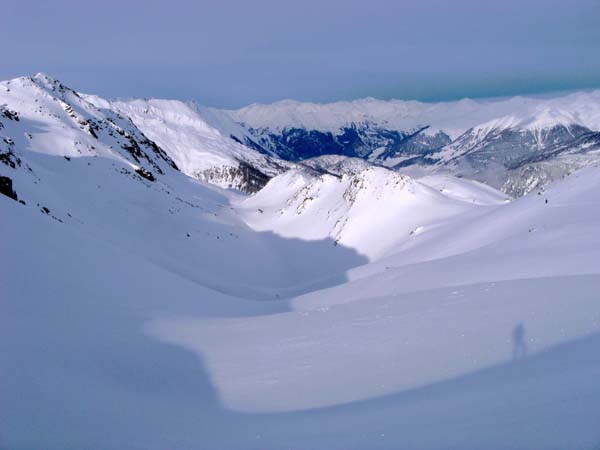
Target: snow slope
column 431, row 315
column 464, row 189
column 199, row 150
column 141, row 308
column 115, row 184
column 42, row 115
column 371, row 210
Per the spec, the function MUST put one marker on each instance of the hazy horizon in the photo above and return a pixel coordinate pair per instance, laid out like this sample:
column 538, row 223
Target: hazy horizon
column 232, row 53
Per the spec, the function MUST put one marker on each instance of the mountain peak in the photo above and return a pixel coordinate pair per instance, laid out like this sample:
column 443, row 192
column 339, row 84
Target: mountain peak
column 46, row 80
column 45, row 77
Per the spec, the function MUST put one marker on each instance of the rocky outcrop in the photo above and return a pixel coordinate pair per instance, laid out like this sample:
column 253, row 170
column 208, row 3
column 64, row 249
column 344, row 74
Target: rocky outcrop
column 363, row 140
column 244, row 177
column 6, row 188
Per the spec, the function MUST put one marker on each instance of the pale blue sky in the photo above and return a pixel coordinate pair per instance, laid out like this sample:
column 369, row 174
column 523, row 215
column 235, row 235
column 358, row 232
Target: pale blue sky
column 233, row 52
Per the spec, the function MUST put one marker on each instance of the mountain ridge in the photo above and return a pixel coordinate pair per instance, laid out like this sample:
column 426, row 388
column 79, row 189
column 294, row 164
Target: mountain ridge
column 515, row 144
column 471, row 138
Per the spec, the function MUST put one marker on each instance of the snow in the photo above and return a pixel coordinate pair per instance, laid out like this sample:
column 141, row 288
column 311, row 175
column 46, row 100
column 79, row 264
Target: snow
column 452, row 118
column 464, row 189
column 395, row 337
column 190, row 141
column 392, row 317
column 366, row 309
column 53, row 131
column 371, row 210
column 337, row 164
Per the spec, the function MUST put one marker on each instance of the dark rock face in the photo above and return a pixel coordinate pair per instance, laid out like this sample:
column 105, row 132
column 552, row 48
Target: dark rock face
column 245, row 177
column 582, row 143
column 251, row 144
column 6, row 188
column 519, row 161
column 9, row 114
column 10, row 159
column 511, row 159
column 513, row 148
column 355, row 140
column 253, row 179
column 415, row 148
column 145, row 174
column 113, row 126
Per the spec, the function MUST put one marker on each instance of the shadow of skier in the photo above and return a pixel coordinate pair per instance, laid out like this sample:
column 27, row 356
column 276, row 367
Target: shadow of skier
column 519, row 344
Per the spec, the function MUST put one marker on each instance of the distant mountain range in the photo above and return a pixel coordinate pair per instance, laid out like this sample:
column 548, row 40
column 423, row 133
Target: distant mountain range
column 515, row 144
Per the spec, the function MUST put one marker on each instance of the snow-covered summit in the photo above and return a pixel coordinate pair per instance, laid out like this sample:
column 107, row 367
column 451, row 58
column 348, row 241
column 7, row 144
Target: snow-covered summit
column 371, row 210
column 59, row 120
column 453, row 118
column 510, row 138
column 337, row 164
column 53, row 119
column 199, row 149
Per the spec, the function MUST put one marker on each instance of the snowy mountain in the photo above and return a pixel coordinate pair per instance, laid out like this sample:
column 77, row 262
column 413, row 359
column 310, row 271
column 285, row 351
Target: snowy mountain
column 516, row 145
column 371, row 210
column 507, row 152
column 43, row 116
column 128, row 292
column 90, row 170
column 451, row 118
column 199, row 150
column 336, row 164
column 343, row 305
column 474, row 138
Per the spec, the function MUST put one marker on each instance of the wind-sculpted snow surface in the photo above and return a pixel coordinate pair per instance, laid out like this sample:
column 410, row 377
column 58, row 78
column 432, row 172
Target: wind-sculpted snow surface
column 341, row 306
column 473, row 294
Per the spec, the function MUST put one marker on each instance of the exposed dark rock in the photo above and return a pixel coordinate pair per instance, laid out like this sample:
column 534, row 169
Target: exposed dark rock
column 244, row 177
column 158, row 151
column 145, row 174
column 518, row 161
column 6, row 188
column 91, row 127
column 513, row 148
column 356, row 140
column 10, row 159
column 12, row 115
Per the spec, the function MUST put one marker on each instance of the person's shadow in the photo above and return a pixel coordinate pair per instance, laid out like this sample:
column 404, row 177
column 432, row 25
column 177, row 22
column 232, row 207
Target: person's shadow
column 519, row 344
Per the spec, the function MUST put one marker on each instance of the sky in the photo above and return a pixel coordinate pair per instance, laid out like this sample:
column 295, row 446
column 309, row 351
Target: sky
column 230, row 53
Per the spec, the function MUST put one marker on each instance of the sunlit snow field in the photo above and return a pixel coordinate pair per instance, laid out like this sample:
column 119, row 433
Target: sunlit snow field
column 369, row 310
